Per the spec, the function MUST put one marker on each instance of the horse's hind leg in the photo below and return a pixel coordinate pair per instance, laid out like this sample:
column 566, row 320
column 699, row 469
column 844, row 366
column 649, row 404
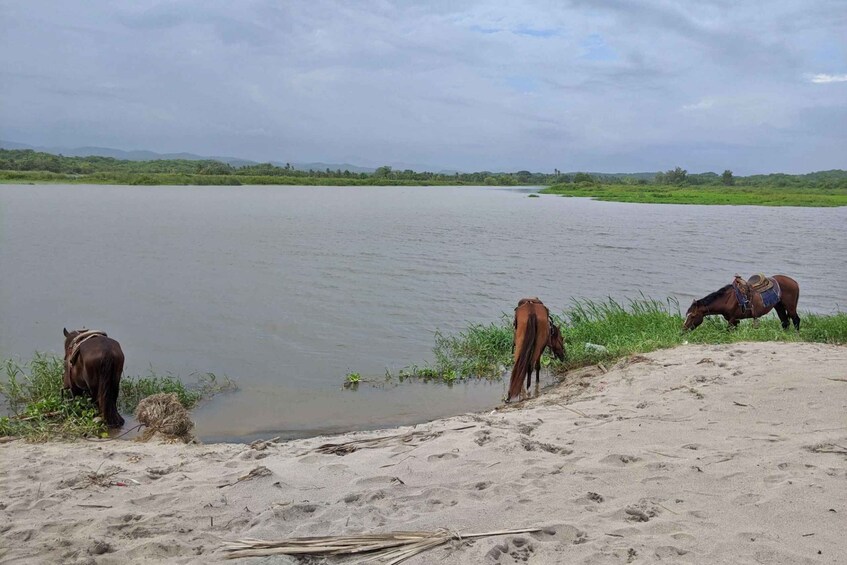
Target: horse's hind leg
column 792, row 311
column 529, row 376
column 783, row 316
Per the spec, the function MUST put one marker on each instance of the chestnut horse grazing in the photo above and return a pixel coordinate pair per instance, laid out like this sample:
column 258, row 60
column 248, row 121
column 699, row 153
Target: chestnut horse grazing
column 741, row 299
column 93, row 365
column 533, row 332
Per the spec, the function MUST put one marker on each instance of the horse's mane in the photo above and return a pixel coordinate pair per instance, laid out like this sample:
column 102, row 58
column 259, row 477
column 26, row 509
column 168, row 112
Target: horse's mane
column 708, row 299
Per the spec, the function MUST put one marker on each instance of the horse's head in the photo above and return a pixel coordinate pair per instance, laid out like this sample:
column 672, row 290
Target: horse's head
column 557, row 343
column 694, row 316
column 69, row 337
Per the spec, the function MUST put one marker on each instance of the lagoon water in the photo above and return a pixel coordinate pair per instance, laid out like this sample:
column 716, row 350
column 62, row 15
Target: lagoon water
column 286, row 289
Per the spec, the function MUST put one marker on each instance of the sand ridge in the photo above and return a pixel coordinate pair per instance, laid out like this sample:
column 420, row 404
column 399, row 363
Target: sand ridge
column 700, row 454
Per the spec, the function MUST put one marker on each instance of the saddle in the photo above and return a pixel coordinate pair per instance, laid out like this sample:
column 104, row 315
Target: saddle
column 767, row 289
column 760, row 283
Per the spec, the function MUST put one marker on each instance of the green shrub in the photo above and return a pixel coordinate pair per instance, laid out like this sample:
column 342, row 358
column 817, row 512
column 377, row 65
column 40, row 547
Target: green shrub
column 38, row 406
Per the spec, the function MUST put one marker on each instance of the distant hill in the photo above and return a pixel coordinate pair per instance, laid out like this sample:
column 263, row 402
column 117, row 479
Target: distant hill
column 135, row 155
column 144, row 155
column 325, row 166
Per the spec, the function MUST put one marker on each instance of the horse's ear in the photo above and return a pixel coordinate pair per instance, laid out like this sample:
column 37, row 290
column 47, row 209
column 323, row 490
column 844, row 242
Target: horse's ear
column 66, row 331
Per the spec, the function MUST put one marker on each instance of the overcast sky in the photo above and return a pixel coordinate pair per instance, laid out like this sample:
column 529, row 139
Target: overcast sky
column 600, row 85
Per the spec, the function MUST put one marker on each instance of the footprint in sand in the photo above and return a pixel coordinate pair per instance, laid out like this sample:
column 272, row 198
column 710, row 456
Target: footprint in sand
column 526, row 428
column 642, row 511
column 298, row 512
column 482, row 437
column 381, row 480
column 561, row 533
column 159, row 472
column 530, row 445
column 619, row 460
column 747, row 499
column 351, row 498
column 514, row 550
column 335, row 468
column 594, row 497
column 671, row 553
column 440, row 456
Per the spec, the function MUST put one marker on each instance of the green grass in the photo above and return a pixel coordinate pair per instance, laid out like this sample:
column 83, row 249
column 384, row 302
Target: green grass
column 41, row 411
column 33, row 393
column 180, row 179
column 206, row 385
column 602, row 332
column 706, row 194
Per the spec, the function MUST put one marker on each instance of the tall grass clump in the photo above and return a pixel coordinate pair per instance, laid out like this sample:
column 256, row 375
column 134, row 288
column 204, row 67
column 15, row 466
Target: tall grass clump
column 134, row 389
column 40, row 410
column 601, row 331
column 644, row 325
column 604, row 331
column 479, row 351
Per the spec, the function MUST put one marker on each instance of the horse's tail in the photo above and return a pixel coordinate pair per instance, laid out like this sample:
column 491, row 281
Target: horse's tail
column 111, row 368
column 524, row 356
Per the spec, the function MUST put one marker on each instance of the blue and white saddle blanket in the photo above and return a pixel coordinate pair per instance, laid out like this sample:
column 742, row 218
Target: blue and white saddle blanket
column 769, row 297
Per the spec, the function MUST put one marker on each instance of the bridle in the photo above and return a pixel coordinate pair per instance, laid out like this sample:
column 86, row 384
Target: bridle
column 72, row 349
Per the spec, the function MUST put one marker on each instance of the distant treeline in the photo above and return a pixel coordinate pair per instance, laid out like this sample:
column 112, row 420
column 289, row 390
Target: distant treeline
column 29, row 165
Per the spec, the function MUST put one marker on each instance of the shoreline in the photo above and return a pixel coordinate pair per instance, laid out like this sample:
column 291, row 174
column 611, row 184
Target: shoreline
column 697, row 454
column 707, row 195
column 694, row 195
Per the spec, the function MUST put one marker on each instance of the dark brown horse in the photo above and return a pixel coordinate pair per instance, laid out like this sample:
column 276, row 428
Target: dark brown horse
column 533, row 332
column 724, row 302
column 93, row 365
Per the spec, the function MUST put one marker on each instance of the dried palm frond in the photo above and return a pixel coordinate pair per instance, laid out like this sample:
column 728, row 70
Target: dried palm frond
column 390, row 548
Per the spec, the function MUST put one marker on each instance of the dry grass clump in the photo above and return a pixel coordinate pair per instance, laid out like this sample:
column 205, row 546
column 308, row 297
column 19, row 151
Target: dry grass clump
column 164, row 414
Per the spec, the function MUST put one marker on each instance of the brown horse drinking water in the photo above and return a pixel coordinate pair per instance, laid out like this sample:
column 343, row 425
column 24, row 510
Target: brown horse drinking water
column 533, row 332
column 93, row 366
column 741, row 300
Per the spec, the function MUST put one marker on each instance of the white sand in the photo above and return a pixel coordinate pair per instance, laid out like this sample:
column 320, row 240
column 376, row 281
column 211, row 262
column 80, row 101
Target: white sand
column 701, row 454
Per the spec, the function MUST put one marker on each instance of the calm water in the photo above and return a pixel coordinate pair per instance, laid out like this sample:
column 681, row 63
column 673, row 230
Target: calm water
column 286, row 289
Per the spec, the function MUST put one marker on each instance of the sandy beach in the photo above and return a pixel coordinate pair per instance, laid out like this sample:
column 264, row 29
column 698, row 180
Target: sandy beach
column 701, row 454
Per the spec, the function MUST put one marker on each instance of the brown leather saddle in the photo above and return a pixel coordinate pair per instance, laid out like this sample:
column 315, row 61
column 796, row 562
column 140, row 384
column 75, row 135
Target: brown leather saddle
column 760, row 283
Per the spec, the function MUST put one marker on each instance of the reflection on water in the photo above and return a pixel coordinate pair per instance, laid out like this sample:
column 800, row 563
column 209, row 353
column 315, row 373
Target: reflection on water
column 286, row 289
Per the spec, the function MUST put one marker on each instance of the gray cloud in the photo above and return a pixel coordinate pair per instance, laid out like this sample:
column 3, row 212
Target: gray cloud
column 602, row 85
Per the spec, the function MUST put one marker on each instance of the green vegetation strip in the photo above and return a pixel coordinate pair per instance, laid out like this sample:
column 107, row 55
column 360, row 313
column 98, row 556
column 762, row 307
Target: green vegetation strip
column 755, row 195
column 821, row 188
column 40, row 411
column 22, row 166
column 603, row 332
